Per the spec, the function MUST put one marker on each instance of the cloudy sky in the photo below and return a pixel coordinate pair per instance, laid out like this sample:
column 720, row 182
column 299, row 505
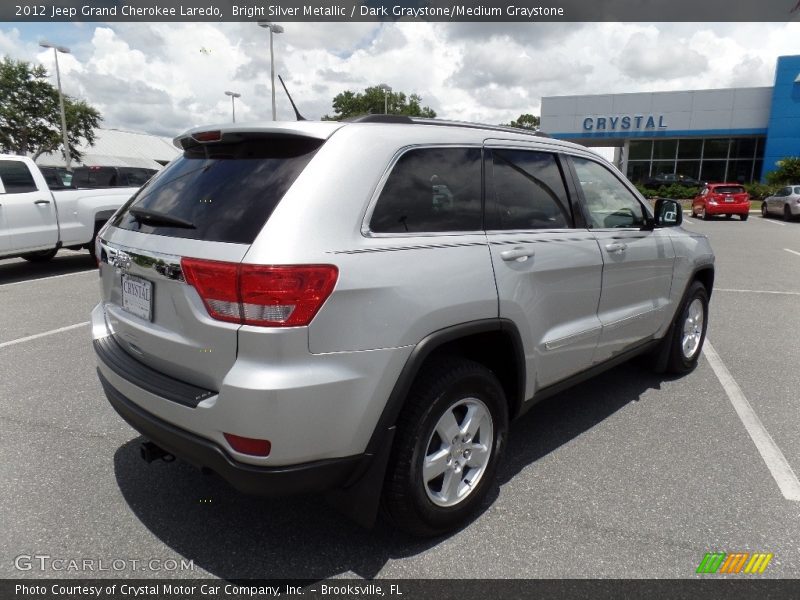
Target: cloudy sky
column 162, row 78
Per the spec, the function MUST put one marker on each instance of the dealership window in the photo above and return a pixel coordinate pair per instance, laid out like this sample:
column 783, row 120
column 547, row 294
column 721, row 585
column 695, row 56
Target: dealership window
column 712, row 159
column 640, row 150
column 665, row 149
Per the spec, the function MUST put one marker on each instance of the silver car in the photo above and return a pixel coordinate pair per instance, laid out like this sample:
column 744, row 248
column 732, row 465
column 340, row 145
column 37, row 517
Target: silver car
column 785, row 202
column 362, row 307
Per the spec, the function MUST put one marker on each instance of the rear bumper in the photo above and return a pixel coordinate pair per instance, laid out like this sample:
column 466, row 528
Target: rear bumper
column 310, row 477
column 734, row 208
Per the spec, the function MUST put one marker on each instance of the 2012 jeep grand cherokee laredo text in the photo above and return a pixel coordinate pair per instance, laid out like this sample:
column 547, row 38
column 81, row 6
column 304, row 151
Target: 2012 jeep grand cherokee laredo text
column 363, row 306
column 36, row 221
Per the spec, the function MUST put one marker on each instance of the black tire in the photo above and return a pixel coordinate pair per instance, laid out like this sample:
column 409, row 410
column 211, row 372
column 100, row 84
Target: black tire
column 728, row 217
column 744, row 216
column 444, row 384
column 706, row 216
column 787, row 213
column 764, row 212
column 41, row 256
column 677, row 359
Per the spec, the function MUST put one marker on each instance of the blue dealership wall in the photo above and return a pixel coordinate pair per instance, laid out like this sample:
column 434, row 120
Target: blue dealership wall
column 783, row 135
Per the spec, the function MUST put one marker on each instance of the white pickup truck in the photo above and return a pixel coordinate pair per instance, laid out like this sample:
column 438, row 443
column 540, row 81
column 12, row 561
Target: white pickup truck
column 36, row 221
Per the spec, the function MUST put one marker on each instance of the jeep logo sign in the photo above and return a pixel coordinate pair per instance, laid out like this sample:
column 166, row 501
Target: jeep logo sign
column 624, row 122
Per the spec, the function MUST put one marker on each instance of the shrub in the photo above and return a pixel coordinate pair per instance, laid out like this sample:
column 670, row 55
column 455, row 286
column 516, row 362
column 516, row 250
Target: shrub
column 674, row 191
column 759, row 191
column 788, row 171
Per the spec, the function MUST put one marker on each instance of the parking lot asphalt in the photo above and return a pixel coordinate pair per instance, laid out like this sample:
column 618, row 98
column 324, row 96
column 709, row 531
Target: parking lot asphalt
column 627, row 475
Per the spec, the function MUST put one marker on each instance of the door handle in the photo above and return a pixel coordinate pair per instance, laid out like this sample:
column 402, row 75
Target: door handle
column 41, row 201
column 518, row 254
column 616, row 247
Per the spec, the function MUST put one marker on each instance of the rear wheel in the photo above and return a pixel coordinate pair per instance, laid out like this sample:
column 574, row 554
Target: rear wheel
column 40, row 256
column 787, row 213
column 450, row 437
column 744, row 216
column 704, row 215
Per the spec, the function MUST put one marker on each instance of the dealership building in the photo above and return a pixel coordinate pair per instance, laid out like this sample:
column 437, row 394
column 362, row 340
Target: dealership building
column 733, row 134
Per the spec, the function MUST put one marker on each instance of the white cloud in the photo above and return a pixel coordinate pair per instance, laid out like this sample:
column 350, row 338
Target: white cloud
column 165, row 77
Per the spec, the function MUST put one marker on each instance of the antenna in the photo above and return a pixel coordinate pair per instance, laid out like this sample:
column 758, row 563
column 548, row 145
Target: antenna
column 296, row 112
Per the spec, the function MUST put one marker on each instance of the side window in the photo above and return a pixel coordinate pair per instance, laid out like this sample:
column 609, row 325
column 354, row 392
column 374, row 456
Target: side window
column 16, row 177
column 431, row 190
column 609, row 203
column 527, row 192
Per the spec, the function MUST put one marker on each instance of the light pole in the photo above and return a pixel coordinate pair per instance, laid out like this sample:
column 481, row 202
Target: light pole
column 273, row 28
column 233, row 96
column 387, row 89
column 56, row 50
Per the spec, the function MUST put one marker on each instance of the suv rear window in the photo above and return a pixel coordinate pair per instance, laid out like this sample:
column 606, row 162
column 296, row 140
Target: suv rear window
column 226, row 191
column 729, row 189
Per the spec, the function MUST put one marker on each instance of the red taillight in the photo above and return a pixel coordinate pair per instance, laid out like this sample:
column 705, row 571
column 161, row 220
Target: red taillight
column 269, row 296
column 207, row 136
column 252, row 446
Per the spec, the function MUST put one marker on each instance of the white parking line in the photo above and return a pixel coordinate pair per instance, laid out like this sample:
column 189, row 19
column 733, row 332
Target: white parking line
column 792, row 251
column 40, row 335
column 45, row 278
column 757, row 292
column 773, row 222
column 776, row 462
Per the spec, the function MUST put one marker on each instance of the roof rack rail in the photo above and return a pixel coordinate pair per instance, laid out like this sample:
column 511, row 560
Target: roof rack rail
column 381, row 118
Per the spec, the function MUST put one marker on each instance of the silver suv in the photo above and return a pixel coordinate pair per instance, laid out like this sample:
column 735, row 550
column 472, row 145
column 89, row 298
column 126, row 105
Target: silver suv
column 361, row 307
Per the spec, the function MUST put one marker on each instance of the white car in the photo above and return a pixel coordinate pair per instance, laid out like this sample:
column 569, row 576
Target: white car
column 785, row 202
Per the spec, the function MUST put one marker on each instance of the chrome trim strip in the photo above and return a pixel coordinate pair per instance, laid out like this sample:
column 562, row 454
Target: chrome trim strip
column 414, row 247
column 571, row 339
column 164, row 266
column 627, row 320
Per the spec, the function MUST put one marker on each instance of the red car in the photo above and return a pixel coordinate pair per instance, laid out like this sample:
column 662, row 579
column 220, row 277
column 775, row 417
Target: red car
column 721, row 199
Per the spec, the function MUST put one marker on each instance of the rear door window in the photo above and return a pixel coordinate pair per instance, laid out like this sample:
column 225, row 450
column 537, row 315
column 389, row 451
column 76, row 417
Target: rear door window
column 527, row 192
column 225, row 191
column 431, row 190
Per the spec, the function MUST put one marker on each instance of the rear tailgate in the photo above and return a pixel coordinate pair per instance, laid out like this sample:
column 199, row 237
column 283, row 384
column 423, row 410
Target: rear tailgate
column 209, row 204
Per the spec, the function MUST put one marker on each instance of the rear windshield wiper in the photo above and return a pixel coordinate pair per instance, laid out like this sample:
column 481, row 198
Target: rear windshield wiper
column 153, row 217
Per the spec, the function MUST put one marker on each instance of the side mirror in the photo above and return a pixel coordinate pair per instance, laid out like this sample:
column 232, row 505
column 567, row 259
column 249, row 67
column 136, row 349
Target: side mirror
column 668, row 213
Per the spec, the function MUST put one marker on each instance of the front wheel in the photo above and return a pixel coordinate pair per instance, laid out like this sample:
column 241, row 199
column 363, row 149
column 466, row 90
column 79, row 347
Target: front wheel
column 450, row 437
column 764, row 211
column 688, row 332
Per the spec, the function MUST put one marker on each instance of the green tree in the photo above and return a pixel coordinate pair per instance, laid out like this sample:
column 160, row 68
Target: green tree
column 788, row 171
column 30, row 117
column 524, row 121
column 371, row 101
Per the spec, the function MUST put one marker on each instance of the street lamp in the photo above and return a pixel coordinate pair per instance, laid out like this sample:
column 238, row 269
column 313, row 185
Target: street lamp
column 273, row 28
column 233, row 96
column 56, row 50
column 387, row 89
